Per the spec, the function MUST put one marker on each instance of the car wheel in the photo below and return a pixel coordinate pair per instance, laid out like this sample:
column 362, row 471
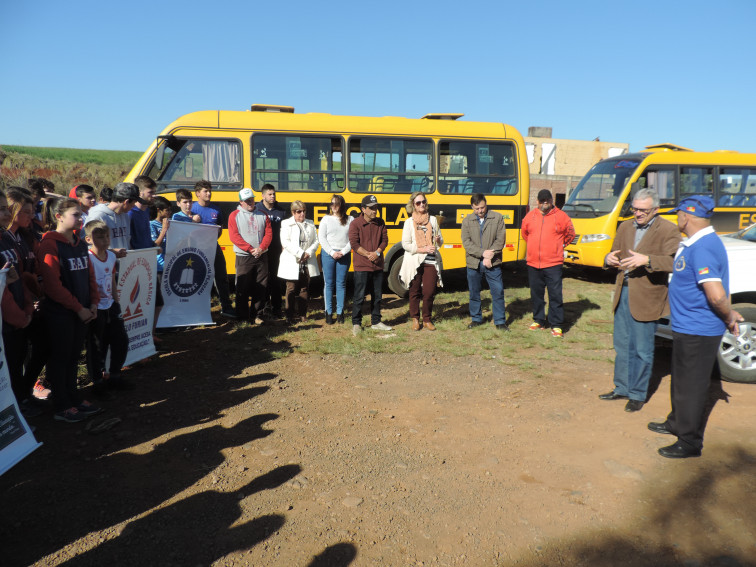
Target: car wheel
column 737, row 354
column 394, row 283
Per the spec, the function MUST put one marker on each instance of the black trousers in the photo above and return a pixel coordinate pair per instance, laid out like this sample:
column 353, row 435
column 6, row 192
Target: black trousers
column 693, row 359
column 251, row 285
column 16, row 345
column 106, row 332
column 360, row 290
column 65, row 335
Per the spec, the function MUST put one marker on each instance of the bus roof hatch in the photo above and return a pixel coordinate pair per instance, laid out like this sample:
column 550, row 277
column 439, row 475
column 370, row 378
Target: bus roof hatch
column 668, row 146
column 271, row 108
column 442, row 116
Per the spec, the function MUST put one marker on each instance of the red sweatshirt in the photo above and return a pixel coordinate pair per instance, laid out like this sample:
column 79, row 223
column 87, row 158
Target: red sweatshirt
column 546, row 236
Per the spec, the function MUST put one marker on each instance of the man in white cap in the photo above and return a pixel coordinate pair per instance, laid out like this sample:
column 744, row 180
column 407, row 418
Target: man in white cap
column 251, row 234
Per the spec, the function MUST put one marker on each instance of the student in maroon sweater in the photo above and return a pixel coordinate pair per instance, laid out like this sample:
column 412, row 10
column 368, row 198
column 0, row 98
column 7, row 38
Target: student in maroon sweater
column 70, row 303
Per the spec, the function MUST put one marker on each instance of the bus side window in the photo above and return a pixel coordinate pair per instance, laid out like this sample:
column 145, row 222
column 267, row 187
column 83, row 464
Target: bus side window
column 662, row 181
column 696, row 181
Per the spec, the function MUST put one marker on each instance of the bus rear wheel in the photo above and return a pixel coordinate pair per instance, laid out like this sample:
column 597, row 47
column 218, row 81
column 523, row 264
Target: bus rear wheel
column 394, row 283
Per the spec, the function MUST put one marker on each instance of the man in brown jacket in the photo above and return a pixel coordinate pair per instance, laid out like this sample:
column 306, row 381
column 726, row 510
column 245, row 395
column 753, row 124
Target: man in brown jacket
column 643, row 252
column 369, row 238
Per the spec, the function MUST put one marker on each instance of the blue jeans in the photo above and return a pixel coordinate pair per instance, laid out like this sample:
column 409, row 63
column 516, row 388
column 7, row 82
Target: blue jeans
column 634, row 348
column 334, row 275
column 360, row 289
column 540, row 280
column 495, row 284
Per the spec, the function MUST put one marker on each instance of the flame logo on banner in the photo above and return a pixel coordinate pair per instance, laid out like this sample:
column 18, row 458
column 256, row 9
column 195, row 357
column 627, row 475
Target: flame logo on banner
column 135, row 292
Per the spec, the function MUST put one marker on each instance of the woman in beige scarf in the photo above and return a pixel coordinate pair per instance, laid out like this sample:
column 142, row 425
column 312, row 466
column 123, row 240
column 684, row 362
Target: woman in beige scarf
column 421, row 265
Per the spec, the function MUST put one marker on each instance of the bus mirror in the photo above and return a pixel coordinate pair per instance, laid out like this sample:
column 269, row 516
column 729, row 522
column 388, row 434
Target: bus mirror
column 159, row 155
column 634, row 188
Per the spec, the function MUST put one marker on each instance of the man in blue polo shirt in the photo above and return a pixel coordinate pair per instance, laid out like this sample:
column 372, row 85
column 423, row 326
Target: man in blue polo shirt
column 699, row 300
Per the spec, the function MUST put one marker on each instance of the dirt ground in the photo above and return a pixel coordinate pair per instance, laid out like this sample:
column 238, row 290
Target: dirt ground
column 419, row 458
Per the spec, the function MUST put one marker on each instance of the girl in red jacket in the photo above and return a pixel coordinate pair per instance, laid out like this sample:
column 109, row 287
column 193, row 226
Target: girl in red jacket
column 70, row 303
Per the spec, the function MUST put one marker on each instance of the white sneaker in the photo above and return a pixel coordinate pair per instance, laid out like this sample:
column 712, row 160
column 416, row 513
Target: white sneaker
column 381, row 326
column 356, row 330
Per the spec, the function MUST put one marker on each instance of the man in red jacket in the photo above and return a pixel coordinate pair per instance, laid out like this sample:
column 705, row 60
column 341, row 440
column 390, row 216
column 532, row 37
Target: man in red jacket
column 547, row 230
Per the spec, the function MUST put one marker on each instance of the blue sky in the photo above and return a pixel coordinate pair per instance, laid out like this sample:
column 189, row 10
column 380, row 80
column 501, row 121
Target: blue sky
column 111, row 75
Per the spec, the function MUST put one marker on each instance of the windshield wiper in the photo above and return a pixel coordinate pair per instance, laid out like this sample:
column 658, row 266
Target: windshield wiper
column 593, row 210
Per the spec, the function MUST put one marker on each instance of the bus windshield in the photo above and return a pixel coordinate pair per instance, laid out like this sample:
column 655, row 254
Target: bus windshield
column 598, row 192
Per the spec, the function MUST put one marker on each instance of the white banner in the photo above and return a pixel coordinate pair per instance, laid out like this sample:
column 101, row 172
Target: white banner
column 137, row 289
column 188, row 274
column 16, row 439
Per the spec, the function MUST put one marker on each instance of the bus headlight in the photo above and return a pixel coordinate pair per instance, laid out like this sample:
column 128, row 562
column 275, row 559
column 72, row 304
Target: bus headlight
column 594, row 237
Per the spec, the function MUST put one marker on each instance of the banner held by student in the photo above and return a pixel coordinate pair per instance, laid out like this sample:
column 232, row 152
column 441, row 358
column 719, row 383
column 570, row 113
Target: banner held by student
column 16, row 439
column 137, row 288
column 188, row 274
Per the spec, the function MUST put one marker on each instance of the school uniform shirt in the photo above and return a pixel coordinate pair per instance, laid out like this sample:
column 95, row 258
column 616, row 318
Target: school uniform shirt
column 699, row 259
column 181, row 217
column 119, row 224
column 156, row 227
column 140, row 228
column 67, row 273
column 16, row 303
column 103, row 270
column 209, row 214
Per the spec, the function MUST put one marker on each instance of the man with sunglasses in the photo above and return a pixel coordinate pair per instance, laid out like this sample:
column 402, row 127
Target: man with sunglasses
column 643, row 251
column 699, row 297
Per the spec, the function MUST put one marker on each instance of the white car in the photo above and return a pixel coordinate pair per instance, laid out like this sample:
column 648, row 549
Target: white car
column 737, row 354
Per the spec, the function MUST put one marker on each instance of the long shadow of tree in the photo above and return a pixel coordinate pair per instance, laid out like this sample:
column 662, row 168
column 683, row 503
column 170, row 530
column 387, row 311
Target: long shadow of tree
column 194, row 531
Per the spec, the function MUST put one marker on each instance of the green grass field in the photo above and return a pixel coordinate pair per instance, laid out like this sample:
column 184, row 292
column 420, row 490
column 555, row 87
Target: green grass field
column 65, row 167
column 101, row 157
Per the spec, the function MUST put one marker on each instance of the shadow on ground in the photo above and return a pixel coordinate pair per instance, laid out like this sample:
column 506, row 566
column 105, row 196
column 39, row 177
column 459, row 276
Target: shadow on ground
column 699, row 514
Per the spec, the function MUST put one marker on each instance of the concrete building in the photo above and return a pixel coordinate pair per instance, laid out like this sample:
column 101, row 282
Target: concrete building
column 558, row 164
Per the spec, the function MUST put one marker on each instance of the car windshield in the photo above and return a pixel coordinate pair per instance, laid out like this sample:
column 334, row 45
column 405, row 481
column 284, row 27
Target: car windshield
column 598, row 192
column 748, row 234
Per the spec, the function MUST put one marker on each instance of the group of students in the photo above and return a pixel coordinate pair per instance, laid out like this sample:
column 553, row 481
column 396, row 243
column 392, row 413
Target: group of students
column 58, row 295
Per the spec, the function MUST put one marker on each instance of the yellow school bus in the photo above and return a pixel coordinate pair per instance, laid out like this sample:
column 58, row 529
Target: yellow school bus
column 308, row 157
column 603, row 198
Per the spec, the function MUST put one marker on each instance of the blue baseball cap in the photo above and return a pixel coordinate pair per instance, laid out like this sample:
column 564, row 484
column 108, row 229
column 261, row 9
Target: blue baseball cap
column 698, row 206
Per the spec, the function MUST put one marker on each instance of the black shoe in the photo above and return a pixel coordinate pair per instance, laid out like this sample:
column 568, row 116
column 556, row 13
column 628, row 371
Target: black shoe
column 329, row 319
column 340, row 318
column 475, row 324
column 612, row 396
column 662, row 428
column 634, row 405
column 679, row 451
column 503, row 327
column 229, row 313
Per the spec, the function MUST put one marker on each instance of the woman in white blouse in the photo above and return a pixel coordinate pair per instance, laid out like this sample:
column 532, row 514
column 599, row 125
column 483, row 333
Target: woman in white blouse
column 421, row 265
column 336, row 256
column 298, row 262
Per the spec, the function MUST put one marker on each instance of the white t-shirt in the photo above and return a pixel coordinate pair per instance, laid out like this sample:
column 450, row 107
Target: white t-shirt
column 104, row 276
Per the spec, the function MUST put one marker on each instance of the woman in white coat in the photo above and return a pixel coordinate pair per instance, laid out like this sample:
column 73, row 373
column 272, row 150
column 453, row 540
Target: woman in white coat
column 299, row 241
column 421, row 265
